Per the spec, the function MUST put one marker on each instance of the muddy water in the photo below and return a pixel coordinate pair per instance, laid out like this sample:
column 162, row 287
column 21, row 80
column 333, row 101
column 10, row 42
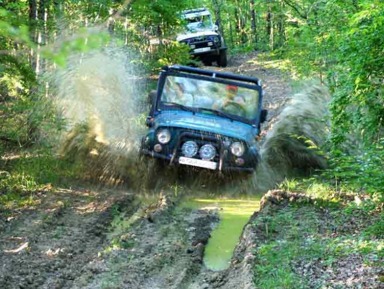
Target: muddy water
column 101, row 96
column 234, row 214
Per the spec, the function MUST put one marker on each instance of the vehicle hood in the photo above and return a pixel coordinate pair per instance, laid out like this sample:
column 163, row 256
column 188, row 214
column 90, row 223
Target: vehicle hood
column 207, row 123
column 182, row 37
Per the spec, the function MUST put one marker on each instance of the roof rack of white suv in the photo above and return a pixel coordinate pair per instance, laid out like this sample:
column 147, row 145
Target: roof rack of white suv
column 195, row 10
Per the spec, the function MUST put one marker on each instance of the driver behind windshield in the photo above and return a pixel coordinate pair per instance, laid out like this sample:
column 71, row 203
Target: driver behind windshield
column 198, row 22
column 232, row 102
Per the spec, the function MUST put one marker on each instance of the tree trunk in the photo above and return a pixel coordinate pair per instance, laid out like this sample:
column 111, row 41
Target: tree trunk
column 237, row 22
column 281, row 26
column 253, row 21
column 217, row 10
column 231, row 32
column 32, row 28
column 243, row 22
column 32, row 11
column 269, row 21
column 58, row 9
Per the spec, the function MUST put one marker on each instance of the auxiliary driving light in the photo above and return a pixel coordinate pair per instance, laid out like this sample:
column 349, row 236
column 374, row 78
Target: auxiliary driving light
column 207, row 152
column 189, row 149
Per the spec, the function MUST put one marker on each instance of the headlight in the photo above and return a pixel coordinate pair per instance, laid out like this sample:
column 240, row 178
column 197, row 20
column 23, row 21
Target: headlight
column 189, row 149
column 216, row 39
column 237, row 148
column 164, row 136
column 207, row 152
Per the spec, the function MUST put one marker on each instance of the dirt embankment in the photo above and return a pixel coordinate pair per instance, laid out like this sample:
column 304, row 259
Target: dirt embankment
column 312, row 242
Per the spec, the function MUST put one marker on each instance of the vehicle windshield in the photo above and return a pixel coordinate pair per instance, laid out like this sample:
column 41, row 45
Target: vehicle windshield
column 202, row 94
column 199, row 23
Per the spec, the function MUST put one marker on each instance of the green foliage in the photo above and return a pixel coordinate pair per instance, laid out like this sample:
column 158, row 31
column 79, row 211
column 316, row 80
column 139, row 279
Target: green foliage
column 358, row 100
column 361, row 171
column 296, row 236
column 25, row 118
column 160, row 16
column 26, row 174
column 377, row 229
column 172, row 53
column 13, row 28
column 341, row 42
column 33, row 170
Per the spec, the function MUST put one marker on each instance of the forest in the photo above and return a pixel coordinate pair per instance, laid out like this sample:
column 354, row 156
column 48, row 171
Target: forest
column 335, row 44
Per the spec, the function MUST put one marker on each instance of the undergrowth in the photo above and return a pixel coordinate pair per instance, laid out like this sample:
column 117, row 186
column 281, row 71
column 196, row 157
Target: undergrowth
column 24, row 173
column 344, row 221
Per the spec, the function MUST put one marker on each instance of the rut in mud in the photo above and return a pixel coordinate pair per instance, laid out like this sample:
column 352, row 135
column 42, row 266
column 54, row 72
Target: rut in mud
column 102, row 238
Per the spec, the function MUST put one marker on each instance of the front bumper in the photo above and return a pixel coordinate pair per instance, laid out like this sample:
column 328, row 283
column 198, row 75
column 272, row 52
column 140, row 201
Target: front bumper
column 175, row 161
column 206, row 51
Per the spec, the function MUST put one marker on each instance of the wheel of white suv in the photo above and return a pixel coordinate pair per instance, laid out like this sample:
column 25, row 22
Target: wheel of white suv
column 222, row 59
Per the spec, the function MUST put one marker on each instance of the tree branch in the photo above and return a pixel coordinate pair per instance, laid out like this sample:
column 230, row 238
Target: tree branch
column 294, row 7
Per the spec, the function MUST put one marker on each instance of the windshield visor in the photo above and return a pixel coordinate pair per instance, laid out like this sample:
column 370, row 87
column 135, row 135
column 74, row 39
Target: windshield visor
column 202, row 94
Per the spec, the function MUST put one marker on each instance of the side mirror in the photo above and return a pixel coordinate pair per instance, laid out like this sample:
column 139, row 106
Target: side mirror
column 149, row 121
column 263, row 115
column 151, row 97
column 216, row 28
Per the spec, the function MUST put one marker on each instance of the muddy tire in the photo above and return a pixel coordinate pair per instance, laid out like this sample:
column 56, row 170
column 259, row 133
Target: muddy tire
column 155, row 170
column 207, row 61
column 222, row 60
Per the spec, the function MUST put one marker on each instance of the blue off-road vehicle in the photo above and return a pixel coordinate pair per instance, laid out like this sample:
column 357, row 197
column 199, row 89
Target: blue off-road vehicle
column 205, row 119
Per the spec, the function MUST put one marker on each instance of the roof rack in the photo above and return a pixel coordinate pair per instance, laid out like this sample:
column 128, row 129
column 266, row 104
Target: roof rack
column 213, row 73
column 195, row 10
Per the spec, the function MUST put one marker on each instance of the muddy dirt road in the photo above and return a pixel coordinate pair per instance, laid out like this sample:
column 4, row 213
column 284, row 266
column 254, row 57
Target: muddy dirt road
column 87, row 237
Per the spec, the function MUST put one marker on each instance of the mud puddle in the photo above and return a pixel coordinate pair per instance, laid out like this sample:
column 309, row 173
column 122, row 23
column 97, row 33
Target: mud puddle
column 234, row 214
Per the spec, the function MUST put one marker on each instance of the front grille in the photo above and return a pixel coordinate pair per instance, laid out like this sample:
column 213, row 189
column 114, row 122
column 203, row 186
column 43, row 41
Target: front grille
column 198, row 39
column 201, row 42
column 201, row 139
column 201, row 45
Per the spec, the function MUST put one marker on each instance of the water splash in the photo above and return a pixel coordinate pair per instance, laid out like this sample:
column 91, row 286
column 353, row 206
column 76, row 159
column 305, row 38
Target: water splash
column 100, row 94
column 293, row 146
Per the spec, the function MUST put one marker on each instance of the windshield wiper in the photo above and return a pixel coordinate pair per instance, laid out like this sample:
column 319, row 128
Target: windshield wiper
column 224, row 114
column 178, row 105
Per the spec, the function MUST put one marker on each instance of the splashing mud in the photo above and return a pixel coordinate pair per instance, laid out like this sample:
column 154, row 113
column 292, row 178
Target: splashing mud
column 293, row 146
column 100, row 95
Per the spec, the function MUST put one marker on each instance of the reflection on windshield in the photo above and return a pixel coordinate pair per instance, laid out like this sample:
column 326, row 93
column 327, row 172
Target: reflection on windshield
column 199, row 93
column 199, row 23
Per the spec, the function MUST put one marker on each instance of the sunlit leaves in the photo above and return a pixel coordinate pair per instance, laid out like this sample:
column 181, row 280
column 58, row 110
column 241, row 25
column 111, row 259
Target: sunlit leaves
column 84, row 41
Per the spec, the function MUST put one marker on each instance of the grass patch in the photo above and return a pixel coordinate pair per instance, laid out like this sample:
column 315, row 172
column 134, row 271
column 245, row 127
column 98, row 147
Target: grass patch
column 26, row 173
column 341, row 224
column 305, row 235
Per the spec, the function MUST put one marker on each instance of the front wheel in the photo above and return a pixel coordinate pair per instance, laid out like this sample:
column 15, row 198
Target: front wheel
column 207, row 61
column 222, row 59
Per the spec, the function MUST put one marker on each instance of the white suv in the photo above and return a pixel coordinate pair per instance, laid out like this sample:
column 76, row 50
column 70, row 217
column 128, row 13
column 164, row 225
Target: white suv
column 203, row 38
